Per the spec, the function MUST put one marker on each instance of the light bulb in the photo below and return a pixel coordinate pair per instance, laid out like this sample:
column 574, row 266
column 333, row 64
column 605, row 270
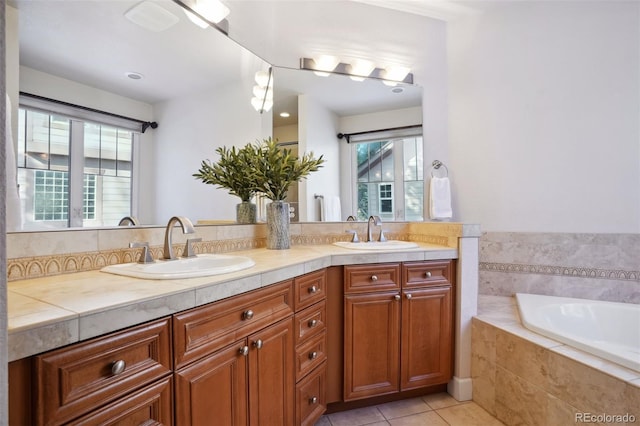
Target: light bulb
column 395, row 74
column 361, row 69
column 262, row 78
column 325, row 64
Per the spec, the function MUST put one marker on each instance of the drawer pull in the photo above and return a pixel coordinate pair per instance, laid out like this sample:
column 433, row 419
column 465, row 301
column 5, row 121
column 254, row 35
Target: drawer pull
column 427, row 274
column 374, row 278
column 244, row 350
column 247, row 315
column 409, row 296
column 312, row 323
column 313, row 400
column 258, row 344
column 397, row 297
column 313, row 289
column 118, row 367
column 313, row 355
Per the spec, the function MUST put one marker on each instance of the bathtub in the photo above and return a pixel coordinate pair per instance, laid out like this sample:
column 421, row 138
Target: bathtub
column 605, row 329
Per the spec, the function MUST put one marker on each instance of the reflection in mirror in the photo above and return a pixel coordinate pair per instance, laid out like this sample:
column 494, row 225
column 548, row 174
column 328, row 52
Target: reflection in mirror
column 195, row 84
column 317, row 109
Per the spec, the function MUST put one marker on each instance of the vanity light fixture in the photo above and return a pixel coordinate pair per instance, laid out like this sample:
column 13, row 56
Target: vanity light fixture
column 262, row 100
column 325, row 64
column 211, row 10
column 360, row 67
column 390, row 76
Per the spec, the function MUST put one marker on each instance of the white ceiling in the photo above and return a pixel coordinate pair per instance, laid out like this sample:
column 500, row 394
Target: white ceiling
column 91, row 42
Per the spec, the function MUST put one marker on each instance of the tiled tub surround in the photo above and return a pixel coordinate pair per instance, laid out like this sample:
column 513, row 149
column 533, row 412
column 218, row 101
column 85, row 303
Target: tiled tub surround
column 523, row 378
column 589, row 266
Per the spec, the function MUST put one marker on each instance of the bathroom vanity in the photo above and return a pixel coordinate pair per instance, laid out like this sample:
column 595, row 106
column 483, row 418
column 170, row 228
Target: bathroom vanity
column 305, row 329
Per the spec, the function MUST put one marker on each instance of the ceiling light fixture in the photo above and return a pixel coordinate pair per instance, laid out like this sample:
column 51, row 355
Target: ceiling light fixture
column 358, row 71
column 134, row 75
column 285, row 114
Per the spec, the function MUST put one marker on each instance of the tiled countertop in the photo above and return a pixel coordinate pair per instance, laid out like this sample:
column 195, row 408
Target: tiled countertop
column 46, row 313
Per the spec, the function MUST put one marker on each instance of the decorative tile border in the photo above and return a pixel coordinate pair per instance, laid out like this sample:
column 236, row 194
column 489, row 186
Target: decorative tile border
column 569, row 271
column 42, row 266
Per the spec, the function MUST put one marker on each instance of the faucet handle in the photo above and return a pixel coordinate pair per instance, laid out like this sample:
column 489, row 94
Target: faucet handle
column 355, row 238
column 146, row 253
column 188, row 248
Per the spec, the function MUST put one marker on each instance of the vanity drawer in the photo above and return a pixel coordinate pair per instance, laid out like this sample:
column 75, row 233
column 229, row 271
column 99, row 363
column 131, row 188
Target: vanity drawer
column 310, row 322
column 310, row 288
column 203, row 330
column 367, row 278
column 310, row 354
column 152, row 405
column 72, row 381
column 310, row 397
column 429, row 273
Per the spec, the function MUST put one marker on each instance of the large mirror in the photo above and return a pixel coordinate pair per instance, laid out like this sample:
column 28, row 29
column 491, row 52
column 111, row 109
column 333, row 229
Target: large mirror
column 194, row 82
column 197, row 86
column 317, row 109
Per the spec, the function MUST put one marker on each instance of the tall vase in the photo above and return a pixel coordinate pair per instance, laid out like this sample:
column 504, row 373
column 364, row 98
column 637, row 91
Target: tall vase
column 246, row 212
column 278, row 225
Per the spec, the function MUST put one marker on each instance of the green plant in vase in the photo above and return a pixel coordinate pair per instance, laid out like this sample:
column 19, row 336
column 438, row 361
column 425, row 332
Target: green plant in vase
column 230, row 173
column 273, row 170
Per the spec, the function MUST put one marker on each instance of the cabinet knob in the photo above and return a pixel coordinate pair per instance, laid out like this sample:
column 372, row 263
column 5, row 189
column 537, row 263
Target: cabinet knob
column 244, row 350
column 313, row 400
column 313, row 323
column 397, row 297
column 258, row 344
column 247, row 315
column 313, row 289
column 427, row 274
column 374, row 278
column 409, row 296
column 118, row 367
column 313, row 355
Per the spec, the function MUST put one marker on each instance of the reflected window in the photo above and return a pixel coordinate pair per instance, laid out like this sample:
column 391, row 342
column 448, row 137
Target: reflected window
column 72, row 172
column 389, row 178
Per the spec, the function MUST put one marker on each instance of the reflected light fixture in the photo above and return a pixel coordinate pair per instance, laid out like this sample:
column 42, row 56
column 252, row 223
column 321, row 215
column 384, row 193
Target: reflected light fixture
column 211, row 10
column 262, row 100
column 358, row 70
column 285, row 114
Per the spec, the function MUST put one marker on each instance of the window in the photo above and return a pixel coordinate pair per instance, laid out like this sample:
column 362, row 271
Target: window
column 389, row 178
column 73, row 172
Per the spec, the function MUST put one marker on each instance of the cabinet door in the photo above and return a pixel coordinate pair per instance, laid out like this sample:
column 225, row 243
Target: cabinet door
column 426, row 337
column 214, row 389
column 272, row 379
column 372, row 344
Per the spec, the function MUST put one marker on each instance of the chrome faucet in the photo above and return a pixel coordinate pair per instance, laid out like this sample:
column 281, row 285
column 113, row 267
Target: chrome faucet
column 376, row 222
column 187, row 228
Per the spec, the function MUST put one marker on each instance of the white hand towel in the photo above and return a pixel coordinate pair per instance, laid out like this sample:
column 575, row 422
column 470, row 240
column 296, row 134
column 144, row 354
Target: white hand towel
column 440, row 198
column 12, row 202
column 330, row 209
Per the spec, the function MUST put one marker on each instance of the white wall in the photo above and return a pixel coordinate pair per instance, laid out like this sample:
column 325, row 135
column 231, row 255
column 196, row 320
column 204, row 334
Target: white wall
column 189, row 130
column 286, row 133
column 317, row 130
column 544, row 107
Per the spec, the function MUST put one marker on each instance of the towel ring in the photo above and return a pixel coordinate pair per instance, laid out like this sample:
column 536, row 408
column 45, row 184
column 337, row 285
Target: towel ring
column 436, row 166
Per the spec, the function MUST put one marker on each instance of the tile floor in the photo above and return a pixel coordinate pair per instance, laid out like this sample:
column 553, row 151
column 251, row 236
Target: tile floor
column 432, row 410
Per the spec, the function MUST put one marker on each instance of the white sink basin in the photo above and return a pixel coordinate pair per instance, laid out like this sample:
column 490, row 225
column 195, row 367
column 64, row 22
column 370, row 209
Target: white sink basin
column 200, row 266
column 377, row 245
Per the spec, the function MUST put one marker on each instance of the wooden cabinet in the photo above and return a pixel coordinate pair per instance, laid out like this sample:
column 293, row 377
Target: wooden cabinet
column 104, row 376
column 311, row 347
column 398, row 327
column 248, row 380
